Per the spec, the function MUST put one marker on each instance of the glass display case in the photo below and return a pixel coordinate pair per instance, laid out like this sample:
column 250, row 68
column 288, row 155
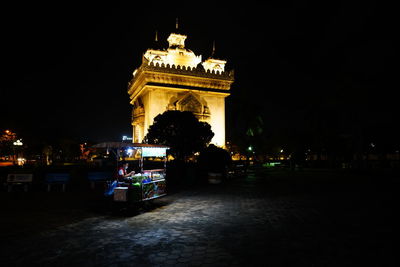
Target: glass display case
column 154, row 185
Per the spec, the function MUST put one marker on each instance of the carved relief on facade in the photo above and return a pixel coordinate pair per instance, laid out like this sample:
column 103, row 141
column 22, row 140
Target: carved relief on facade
column 190, row 102
column 138, row 110
column 138, row 113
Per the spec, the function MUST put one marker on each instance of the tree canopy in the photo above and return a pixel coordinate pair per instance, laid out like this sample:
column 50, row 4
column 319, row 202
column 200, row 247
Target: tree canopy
column 181, row 131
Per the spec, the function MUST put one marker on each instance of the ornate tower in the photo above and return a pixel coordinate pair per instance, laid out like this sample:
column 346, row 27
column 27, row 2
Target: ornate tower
column 177, row 79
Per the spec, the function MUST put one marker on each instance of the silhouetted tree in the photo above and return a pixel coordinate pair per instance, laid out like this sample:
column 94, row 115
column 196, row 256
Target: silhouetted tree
column 6, row 142
column 181, row 131
column 255, row 134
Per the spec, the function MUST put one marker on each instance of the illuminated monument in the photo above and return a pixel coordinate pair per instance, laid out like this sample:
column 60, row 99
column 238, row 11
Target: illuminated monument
column 177, row 79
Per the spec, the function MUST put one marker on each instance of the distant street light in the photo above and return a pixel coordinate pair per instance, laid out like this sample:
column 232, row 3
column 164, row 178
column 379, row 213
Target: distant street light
column 372, row 145
column 18, row 143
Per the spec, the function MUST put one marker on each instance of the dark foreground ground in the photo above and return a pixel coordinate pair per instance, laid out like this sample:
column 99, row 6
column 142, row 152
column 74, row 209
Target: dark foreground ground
column 267, row 218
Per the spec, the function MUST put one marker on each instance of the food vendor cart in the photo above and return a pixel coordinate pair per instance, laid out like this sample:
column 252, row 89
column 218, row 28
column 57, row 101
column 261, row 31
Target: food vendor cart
column 148, row 182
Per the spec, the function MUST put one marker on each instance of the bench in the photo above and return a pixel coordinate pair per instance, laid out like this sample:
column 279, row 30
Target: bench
column 24, row 179
column 57, row 178
column 96, row 177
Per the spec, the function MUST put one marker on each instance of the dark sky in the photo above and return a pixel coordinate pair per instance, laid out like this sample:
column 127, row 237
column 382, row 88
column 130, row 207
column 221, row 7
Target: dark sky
column 66, row 65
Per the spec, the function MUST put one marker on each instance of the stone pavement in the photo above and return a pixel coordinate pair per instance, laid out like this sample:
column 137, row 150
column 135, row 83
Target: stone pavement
column 264, row 219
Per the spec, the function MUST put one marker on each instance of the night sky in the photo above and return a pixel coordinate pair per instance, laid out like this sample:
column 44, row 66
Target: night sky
column 66, row 66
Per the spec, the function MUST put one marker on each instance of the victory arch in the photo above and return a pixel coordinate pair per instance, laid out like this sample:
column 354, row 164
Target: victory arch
column 174, row 78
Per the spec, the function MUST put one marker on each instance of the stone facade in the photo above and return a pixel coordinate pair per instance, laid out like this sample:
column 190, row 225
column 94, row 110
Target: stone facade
column 177, row 79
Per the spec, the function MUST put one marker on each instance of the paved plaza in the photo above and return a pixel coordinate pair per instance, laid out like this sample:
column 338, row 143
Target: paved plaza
column 267, row 218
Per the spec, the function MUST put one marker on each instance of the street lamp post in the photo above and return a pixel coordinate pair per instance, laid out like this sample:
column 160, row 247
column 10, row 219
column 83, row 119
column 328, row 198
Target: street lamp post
column 17, row 143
